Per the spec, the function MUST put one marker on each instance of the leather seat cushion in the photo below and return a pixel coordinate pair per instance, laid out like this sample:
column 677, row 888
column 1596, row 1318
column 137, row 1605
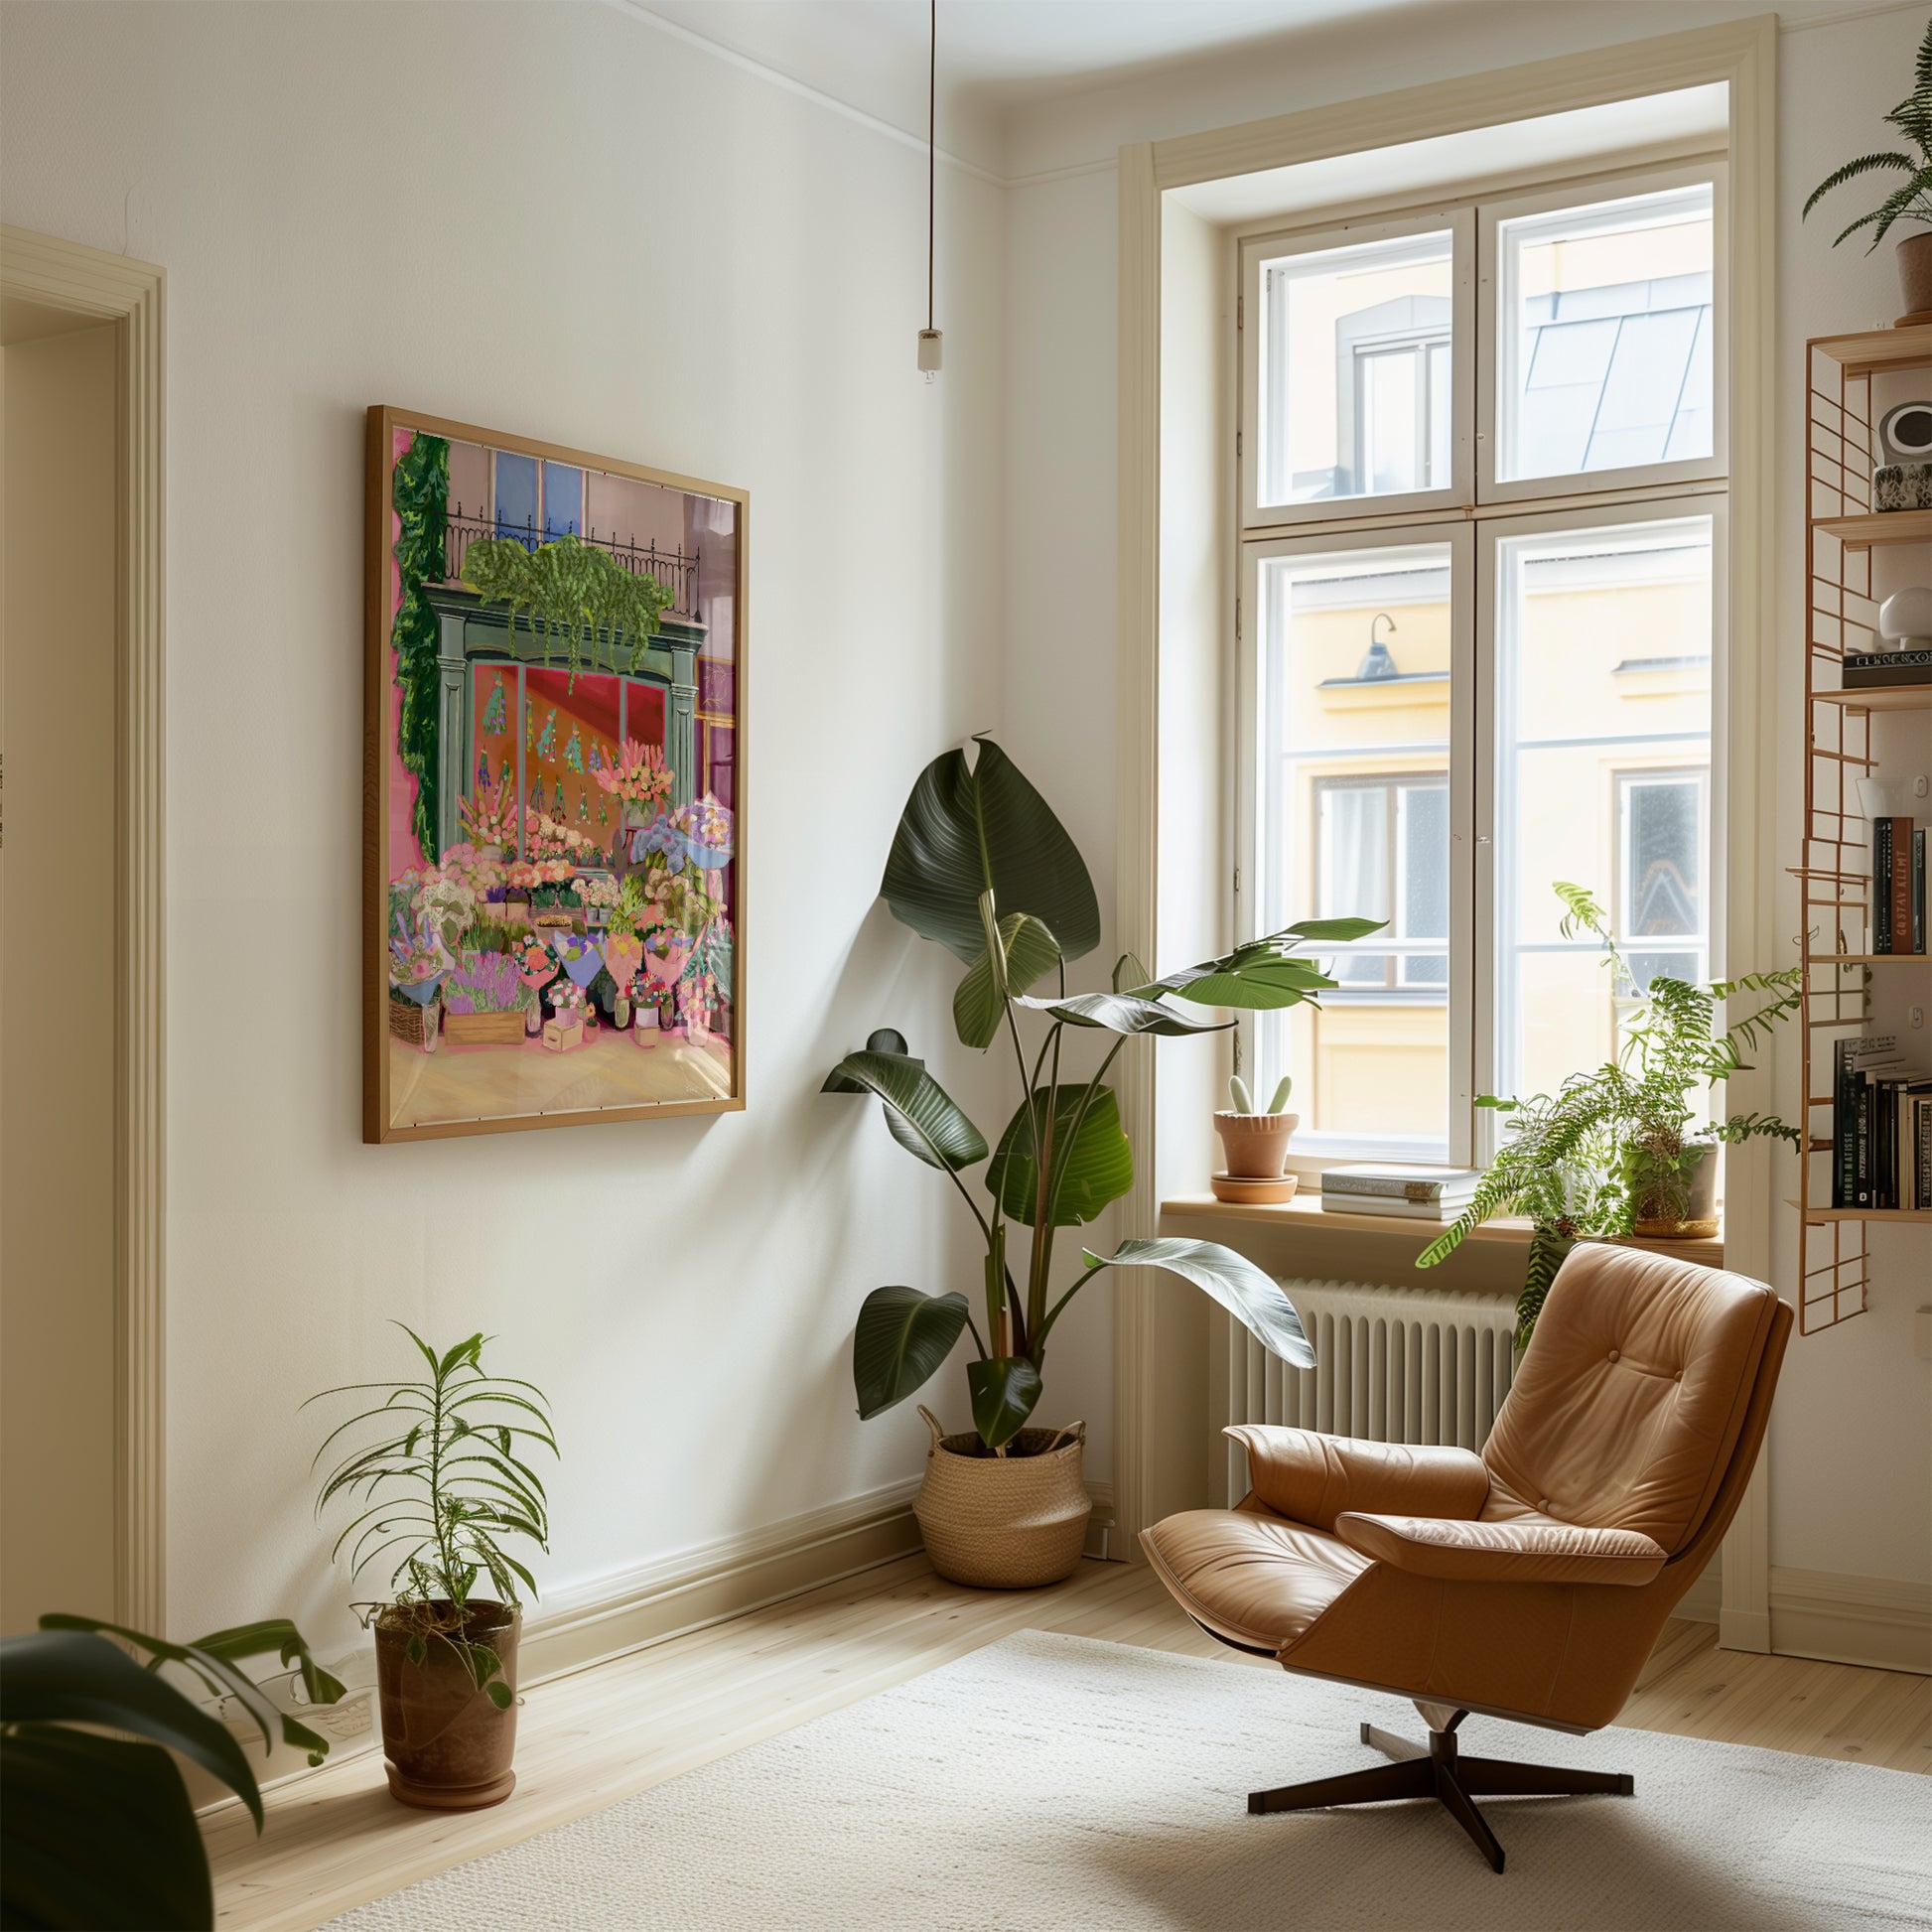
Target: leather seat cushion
column 1251, row 1577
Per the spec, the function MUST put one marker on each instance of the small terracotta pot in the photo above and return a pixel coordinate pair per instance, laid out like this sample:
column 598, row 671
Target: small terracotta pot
column 1915, row 272
column 449, row 1748
column 1256, row 1145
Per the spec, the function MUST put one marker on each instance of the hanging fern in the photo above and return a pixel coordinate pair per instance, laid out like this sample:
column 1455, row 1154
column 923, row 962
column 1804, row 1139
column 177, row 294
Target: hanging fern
column 1911, row 200
column 420, row 492
column 566, row 589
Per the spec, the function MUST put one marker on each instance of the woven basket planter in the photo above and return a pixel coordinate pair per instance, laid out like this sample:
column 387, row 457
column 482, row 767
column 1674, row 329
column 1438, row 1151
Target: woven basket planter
column 1005, row 1522
column 415, row 1026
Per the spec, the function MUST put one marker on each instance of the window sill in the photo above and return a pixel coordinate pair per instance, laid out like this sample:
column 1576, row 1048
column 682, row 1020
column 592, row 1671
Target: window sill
column 1306, row 1216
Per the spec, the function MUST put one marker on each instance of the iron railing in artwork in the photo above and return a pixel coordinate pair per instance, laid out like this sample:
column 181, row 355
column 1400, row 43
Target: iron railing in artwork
column 676, row 570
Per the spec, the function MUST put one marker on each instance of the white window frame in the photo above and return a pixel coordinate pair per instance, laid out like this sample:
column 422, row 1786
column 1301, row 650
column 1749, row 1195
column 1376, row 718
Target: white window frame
column 1491, row 533
column 1454, row 534
column 1496, row 299
column 1278, row 244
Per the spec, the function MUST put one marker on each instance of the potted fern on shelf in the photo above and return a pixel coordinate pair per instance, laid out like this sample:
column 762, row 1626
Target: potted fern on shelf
column 980, row 865
column 438, row 1466
column 1624, row 1150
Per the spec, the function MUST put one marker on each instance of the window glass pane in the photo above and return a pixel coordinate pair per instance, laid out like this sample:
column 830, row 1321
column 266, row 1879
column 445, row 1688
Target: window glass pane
column 1602, row 761
column 1605, row 336
column 1352, row 402
column 1353, row 802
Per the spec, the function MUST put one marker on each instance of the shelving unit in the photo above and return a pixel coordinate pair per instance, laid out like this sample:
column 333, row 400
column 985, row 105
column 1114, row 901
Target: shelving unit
column 1835, row 877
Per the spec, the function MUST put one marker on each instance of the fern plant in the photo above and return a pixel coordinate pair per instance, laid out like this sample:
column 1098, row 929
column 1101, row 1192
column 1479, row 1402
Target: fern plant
column 442, row 1485
column 1617, row 1145
column 1911, row 200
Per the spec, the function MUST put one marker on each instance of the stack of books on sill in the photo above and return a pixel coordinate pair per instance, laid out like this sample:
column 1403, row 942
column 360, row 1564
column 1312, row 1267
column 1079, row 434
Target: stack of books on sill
column 1881, row 1126
column 1898, row 886
column 1419, row 1194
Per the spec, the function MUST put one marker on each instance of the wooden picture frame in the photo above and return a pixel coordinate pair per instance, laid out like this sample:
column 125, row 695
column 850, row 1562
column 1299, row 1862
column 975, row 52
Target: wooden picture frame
column 591, row 881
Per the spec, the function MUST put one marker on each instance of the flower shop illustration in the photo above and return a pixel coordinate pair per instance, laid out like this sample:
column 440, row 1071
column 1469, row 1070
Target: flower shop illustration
column 568, row 734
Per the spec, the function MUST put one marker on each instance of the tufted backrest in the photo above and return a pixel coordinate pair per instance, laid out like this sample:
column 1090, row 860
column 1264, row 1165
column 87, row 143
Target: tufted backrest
column 1629, row 1400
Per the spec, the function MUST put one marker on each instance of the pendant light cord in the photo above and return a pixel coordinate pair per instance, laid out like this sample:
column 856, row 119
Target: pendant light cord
column 931, row 148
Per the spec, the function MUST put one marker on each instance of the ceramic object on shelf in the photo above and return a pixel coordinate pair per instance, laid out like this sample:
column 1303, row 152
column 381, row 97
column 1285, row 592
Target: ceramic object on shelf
column 1243, row 1190
column 1914, row 257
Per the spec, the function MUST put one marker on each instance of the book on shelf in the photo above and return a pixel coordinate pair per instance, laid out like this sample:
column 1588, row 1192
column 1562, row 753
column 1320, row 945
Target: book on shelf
column 1400, row 1184
column 1874, row 670
column 1898, row 886
column 1442, row 1208
column 1881, row 1126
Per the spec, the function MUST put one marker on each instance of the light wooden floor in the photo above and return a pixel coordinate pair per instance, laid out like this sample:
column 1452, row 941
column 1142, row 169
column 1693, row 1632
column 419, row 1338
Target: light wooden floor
column 336, row 1839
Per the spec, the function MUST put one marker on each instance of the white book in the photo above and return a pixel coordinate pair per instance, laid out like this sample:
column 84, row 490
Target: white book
column 1414, row 1210
column 1400, row 1184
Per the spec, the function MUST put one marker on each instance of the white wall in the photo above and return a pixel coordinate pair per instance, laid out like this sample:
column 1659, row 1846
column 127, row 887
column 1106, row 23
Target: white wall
column 563, row 223
column 1851, row 1433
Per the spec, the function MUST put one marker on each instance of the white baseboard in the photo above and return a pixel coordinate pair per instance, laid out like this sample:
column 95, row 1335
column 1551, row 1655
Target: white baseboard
column 1877, row 1621
column 608, row 1616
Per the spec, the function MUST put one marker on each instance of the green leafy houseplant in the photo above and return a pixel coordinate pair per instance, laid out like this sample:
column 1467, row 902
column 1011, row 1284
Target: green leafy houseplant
column 980, row 864
column 99, row 1830
column 1911, row 198
column 438, row 1465
column 1619, row 1145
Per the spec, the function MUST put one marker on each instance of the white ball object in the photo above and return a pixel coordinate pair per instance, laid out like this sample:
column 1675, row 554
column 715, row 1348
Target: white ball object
column 1905, row 619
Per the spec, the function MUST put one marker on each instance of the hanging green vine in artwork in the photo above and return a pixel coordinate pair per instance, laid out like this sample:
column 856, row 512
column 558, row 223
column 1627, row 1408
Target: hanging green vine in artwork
column 420, row 492
column 567, row 587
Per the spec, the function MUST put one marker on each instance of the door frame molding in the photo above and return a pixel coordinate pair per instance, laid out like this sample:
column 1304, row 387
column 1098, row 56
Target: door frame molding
column 95, row 286
column 1742, row 54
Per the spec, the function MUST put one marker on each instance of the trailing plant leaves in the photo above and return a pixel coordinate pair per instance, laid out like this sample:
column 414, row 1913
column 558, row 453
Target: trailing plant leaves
column 969, row 829
column 419, row 493
column 1265, row 974
column 573, row 591
column 900, row 1338
column 922, row 1117
column 97, row 1832
column 1004, row 1389
column 1093, row 1168
column 1125, row 1013
column 1252, row 1297
column 74, row 1677
column 1029, row 951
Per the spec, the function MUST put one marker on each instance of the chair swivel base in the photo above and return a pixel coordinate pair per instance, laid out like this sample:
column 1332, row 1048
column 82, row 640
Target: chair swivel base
column 1435, row 1771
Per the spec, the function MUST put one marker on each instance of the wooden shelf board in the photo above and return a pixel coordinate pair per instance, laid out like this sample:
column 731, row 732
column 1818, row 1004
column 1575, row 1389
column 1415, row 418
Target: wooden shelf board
column 1878, row 348
column 1304, row 1213
column 1816, row 1215
column 1877, row 527
column 1883, row 697
column 1867, row 958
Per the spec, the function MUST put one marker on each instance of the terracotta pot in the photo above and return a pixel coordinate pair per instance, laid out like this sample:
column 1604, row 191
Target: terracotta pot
column 1005, row 1522
column 449, row 1748
column 1674, row 1201
column 1256, row 1145
column 1915, row 273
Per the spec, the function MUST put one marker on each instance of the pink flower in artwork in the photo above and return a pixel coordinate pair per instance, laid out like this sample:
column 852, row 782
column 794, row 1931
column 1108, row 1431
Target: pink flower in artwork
column 639, row 774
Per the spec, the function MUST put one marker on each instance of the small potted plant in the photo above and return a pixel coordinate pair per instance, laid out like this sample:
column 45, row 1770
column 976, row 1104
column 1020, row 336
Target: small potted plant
column 1621, row 1150
column 1910, row 199
column 439, row 1467
column 1255, row 1146
column 982, row 865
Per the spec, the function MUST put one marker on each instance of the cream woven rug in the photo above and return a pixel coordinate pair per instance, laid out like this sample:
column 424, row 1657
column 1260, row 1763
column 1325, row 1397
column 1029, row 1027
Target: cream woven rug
column 1054, row 1782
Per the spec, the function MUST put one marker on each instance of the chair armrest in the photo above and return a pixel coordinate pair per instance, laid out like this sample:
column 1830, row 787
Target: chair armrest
column 1313, row 1478
column 1504, row 1552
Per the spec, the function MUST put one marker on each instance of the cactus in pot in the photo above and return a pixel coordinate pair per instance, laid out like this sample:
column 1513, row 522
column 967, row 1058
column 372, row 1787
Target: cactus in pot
column 1255, row 1144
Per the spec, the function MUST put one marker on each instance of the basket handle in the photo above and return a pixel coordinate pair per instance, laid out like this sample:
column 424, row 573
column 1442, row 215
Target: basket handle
column 1077, row 1430
column 932, row 1423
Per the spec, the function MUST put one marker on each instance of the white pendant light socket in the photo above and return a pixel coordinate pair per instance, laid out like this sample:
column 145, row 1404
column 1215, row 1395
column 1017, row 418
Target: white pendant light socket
column 932, row 341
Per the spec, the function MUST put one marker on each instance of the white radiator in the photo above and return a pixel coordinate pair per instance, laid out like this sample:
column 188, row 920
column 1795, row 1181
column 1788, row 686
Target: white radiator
column 1391, row 1364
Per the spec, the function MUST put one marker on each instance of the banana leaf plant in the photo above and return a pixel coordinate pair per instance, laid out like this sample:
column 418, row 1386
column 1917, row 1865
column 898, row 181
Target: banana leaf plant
column 97, row 1827
column 982, row 865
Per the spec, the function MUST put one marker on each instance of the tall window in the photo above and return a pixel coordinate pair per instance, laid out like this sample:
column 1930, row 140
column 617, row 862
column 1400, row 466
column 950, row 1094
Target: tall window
column 1482, row 500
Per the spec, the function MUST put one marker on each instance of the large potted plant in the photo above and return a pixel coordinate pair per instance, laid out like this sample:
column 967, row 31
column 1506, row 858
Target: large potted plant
column 1910, row 199
column 980, row 865
column 1622, row 1150
column 96, row 1824
column 438, row 1467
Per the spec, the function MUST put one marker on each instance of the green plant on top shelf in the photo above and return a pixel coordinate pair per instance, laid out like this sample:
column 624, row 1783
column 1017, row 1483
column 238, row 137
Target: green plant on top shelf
column 1911, row 200
column 1618, row 1143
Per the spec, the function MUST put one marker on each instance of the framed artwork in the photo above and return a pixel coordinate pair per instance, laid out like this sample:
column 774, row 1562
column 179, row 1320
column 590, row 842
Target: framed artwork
column 553, row 786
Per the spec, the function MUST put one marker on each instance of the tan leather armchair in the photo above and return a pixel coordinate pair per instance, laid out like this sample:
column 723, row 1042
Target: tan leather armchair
column 1529, row 1581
